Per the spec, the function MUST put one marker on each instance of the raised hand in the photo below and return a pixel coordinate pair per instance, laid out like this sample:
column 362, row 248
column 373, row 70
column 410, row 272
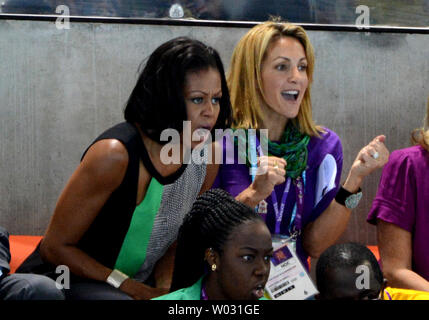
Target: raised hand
column 271, row 172
column 371, row 157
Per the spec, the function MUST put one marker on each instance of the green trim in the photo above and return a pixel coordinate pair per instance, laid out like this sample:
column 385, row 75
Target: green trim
column 292, row 148
column 190, row 293
column 134, row 248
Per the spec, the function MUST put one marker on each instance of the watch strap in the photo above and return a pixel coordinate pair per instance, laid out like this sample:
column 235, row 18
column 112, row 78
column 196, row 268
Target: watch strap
column 343, row 194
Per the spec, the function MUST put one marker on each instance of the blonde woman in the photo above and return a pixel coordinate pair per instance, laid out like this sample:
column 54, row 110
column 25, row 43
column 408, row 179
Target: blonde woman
column 270, row 77
column 401, row 212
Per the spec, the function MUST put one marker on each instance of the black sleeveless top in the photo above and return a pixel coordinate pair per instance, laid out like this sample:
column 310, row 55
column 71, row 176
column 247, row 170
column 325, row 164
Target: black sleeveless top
column 103, row 239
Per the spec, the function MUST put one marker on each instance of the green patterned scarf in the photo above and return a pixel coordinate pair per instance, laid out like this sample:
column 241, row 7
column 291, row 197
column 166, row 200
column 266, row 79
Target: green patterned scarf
column 292, row 148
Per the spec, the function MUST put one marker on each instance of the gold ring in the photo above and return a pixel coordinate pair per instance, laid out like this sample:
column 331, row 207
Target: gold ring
column 276, row 166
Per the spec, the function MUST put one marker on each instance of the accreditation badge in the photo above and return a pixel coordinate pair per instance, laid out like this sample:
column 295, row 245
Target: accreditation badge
column 288, row 278
column 262, row 207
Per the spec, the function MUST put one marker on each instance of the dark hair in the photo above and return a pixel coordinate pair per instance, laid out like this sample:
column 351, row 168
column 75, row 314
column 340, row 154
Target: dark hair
column 157, row 101
column 209, row 224
column 344, row 256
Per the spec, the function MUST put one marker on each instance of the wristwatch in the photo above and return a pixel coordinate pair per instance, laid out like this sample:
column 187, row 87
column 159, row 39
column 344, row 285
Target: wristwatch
column 348, row 199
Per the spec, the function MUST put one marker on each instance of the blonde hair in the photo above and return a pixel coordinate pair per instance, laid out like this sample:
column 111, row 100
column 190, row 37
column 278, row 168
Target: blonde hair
column 421, row 135
column 244, row 75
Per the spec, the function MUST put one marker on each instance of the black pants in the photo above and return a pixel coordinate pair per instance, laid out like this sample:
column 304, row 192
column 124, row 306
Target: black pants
column 21, row 286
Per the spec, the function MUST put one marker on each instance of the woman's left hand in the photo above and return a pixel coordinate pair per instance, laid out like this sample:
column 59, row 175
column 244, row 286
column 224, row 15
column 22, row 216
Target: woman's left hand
column 371, row 157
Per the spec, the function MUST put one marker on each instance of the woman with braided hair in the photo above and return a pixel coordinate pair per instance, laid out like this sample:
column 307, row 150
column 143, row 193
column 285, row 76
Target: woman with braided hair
column 223, row 251
column 298, row 192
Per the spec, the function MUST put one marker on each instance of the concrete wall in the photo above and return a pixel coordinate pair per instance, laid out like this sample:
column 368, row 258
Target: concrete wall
column 60, row 88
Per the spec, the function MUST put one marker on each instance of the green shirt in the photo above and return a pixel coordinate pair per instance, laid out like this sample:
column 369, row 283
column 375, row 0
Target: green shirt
column 190, row 293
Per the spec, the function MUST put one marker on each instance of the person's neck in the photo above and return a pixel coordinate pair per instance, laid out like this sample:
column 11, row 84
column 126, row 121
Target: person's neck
column 274, row 122
column 212, row 288
column 154, row 150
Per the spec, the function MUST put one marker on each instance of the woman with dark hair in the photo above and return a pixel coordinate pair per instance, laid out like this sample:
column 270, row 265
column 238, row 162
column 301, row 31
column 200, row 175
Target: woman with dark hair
column 223, row 251
column 123, row 206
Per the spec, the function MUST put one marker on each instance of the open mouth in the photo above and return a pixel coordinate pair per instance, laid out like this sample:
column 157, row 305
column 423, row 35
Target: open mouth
column 290, row 95
column 258, row 291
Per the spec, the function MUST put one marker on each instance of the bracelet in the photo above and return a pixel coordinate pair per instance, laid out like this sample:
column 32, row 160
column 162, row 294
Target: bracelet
column 116, row 278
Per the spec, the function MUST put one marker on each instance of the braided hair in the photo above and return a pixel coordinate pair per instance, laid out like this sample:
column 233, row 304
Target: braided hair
column 213, row 217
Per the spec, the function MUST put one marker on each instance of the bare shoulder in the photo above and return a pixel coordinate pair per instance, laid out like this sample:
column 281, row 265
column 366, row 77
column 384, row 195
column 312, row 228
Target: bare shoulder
column 106, row 160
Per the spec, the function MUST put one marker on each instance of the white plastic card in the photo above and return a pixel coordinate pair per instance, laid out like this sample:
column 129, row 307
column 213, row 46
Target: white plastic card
column 288, row 278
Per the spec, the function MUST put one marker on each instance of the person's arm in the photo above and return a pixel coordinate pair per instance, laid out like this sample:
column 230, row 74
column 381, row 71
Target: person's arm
column 331, row 224
column 271, row 172
column 98, row 175
column 395, row 245
column 261, row 187
column 212, row 168
column 164, row 268
column 4, row 251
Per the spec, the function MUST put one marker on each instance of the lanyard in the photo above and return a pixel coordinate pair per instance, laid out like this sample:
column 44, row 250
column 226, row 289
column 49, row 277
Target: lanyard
column 298, row 209
column 296, row 219
column 253, row 145
column 279, row 211
column 203, row 292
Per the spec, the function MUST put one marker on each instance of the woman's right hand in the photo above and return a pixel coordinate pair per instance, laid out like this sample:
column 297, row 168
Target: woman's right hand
column 141, row 291
column 271, row 172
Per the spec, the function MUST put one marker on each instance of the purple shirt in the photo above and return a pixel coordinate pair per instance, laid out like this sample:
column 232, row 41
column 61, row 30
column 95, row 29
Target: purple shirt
column 403, row 199
column 234, row 178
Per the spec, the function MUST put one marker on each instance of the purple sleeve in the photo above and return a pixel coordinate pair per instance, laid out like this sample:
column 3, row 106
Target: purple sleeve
column 330, row 144
column 394, row 202
column 233, row 175
column 217, row 183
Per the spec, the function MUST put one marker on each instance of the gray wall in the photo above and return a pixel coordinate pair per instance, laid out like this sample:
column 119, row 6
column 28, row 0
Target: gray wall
column 60, row 88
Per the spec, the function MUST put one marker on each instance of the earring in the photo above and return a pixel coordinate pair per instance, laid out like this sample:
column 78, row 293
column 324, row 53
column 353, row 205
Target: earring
column 213, row 267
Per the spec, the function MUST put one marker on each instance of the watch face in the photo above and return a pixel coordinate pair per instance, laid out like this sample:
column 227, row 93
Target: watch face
column 353, row 200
